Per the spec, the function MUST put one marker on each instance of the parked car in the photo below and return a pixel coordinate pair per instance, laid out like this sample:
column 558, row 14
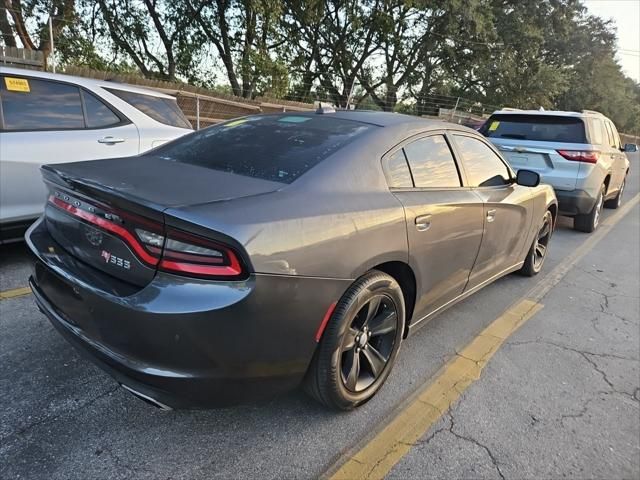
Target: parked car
column 235, row 262
column 47, row 118
column 579, row 154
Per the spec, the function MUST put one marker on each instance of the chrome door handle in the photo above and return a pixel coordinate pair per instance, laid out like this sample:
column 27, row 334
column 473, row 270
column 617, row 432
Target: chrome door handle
column 110, row 140
column 423, row 222
column 491, row 215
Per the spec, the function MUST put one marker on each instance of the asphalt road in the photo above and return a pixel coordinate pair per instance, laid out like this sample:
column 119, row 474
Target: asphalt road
column 560, row 397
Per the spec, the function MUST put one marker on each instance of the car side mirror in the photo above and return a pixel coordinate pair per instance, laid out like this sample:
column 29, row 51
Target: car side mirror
column 527, row 178
column 630, row 148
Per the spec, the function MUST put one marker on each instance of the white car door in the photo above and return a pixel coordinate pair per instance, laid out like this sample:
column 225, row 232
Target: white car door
column 46, row 121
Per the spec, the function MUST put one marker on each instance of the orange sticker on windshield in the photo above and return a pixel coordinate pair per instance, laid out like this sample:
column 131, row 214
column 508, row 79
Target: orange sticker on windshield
column 17, row 84
column 494, row 126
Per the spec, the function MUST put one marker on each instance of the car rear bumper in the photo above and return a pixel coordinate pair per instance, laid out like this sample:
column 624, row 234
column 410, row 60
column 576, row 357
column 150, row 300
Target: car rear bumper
column 575, row 202
column 184, row 343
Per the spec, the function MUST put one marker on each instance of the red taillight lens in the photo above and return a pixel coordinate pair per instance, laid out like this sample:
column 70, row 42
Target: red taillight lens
column 580, row 156
column 121, row 231
column 191, row 255
column 176, row 252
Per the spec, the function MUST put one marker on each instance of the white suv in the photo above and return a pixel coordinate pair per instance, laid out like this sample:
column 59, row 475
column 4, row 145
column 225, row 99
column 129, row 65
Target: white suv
column 578, row 153
column 49, row 118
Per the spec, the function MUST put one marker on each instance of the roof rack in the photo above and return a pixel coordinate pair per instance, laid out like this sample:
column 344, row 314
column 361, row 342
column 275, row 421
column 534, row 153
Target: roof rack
column 510, row 109
column 593, row 112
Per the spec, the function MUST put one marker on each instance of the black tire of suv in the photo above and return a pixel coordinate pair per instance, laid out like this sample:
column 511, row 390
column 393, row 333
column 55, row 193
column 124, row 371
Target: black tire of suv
column 617, row 200
column 324, row 378
column 589, row 222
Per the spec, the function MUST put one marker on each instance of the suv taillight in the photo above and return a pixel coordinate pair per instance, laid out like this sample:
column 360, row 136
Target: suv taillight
column 580, row 155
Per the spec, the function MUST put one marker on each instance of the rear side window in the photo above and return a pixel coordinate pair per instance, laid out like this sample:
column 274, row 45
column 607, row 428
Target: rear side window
column 279, row 148
column 30, row 104
column 163, row 110
column 98, row 114
column 432, row 164
column 615, row 139
column 483, row 167
column 397, row 171
column 596, row 128
column 542, row 128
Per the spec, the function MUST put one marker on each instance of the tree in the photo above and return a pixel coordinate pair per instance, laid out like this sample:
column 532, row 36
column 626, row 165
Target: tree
column 155, row 34
column 331, row 41
column 401, row 31
column 242, row 32
column 60, row 12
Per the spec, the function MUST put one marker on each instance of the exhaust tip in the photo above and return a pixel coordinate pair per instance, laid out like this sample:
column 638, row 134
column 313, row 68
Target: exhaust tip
column 147, row 398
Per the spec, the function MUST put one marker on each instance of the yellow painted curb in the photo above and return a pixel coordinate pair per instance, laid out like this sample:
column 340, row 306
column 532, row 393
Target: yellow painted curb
column 380, row 454
column 16, row 292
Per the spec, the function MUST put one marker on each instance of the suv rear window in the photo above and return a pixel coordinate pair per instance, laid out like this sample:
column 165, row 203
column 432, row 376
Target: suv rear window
column 542, row 128
column 279, row 148
column 163, row 110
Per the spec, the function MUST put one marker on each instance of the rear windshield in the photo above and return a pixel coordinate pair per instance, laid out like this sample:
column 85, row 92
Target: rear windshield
column 163, row 110
column 544, row 128
column 279, row 148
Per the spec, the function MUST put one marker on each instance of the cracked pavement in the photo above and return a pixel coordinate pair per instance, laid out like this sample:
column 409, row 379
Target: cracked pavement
column 559, row 398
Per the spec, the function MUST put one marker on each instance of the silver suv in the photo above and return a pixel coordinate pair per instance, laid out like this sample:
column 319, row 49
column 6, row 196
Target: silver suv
column 578, row 154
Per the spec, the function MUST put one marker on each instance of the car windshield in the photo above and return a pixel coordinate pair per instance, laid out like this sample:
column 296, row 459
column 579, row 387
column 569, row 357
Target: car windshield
column 543, row 128
column 279, row 148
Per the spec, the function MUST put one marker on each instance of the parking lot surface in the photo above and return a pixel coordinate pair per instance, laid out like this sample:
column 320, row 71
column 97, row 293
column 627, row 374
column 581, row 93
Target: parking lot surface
column 560, row 397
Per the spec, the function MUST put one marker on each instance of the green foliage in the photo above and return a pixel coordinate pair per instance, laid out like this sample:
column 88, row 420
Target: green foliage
column 413, row 56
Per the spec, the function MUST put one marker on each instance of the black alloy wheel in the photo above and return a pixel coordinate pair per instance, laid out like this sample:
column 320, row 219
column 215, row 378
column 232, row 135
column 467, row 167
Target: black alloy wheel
column 368, row 343
column 538, row 251
column 360, row 344
column 541, row 243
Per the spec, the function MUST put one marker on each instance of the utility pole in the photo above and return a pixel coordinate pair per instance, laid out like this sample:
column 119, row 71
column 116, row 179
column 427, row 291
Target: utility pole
column 453, row 113
column 52, row 51
column 197, row 112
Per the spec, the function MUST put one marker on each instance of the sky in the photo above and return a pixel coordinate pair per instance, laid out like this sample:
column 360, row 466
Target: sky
column 626, row 15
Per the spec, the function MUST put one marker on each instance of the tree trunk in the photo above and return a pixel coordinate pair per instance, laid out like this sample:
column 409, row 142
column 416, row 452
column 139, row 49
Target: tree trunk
column 5, row 29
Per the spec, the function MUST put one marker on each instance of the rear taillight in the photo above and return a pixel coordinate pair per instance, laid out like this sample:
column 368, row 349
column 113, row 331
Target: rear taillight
column 113, row 222
column 188, row 254
column 580, row 155
column 176, row 251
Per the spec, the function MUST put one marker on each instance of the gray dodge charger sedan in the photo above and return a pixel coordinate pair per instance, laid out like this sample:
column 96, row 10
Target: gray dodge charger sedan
column 242, row 260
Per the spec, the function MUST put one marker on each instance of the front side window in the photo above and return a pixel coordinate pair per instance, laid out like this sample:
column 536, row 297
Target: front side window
column 483, row 166
column 279, row 148
column 432, row 164
column 163, row 110
column 30, row 104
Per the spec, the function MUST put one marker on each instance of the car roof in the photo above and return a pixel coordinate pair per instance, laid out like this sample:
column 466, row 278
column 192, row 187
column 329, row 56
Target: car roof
column 557, row 113
column 82, row 81
column 383, row 119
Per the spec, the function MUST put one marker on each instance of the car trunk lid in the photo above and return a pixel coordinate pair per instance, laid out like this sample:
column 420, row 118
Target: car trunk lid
column 111, row 215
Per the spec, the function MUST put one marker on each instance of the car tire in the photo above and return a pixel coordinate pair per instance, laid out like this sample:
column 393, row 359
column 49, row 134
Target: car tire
column 360, row 343
column 539, row 248
column 617, row 200
column 589, row 222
